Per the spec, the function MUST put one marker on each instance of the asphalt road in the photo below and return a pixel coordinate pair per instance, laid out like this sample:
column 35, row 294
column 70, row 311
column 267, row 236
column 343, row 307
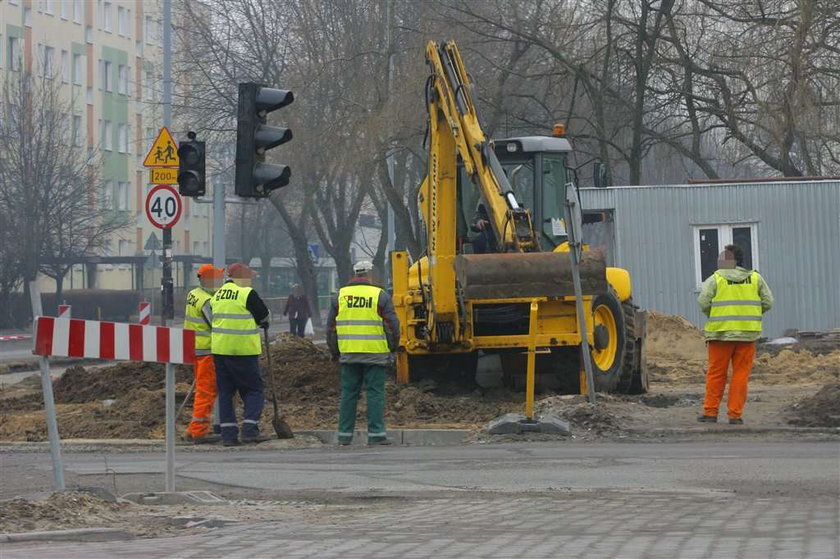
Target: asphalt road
column 677, row 500
column 784, row 469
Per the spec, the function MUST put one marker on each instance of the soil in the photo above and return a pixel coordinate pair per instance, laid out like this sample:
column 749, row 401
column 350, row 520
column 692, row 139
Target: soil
column 75, row 509
column 127, row 400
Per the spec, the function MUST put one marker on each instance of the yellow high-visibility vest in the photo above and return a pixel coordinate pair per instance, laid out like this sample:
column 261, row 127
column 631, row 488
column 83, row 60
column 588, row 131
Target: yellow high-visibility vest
column 194, row 319
column 736, row 305
column 235, row 332
column 358, row 326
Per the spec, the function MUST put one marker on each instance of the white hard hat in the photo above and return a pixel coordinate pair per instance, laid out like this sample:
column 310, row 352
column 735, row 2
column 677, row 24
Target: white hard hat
column 362, row 267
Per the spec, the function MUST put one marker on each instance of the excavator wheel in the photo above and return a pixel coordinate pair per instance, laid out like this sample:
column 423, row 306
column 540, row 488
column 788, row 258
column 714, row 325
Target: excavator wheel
column 614, row 344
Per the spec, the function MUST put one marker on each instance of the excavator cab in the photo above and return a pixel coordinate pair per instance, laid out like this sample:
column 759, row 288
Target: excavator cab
column 536, row 168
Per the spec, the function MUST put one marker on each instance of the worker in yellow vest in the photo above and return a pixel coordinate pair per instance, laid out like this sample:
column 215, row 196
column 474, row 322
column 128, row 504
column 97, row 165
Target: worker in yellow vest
column 734, row 299
column 238, row 315
column 363, row 331
column 197, row 318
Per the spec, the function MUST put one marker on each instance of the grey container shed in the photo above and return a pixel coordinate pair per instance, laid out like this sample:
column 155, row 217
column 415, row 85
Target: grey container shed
column 668, row 238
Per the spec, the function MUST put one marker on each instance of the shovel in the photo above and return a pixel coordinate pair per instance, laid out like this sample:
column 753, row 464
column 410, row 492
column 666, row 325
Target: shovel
column 280, row 426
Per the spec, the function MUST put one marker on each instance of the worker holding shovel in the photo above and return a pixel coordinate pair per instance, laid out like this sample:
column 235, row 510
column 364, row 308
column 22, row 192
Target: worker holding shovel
column 238, row 311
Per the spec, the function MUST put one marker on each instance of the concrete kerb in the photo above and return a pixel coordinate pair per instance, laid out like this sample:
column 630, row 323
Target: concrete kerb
column 404, row 437
column 77, row 535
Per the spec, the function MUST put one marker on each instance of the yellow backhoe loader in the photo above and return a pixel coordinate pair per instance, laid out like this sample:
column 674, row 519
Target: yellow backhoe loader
column 495, row 278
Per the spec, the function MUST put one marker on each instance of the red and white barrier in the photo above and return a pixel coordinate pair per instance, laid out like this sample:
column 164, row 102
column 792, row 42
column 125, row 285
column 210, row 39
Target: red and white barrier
column 70, row 337
column 15, row 337
column 64, row 311
column 145, row 313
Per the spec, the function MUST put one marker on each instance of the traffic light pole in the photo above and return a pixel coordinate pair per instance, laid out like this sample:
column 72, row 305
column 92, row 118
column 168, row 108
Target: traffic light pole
column 166, row 280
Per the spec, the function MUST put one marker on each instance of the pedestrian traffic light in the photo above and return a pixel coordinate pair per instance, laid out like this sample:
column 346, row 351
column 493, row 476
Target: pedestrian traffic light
column 254, row 177
column 191, row 181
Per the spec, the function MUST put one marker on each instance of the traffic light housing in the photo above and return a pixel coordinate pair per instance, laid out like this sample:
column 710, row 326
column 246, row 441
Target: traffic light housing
column 254, row 177
column 191, row 178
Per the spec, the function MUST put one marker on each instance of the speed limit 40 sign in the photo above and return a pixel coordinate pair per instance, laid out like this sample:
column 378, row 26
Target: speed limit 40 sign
column 163, row 206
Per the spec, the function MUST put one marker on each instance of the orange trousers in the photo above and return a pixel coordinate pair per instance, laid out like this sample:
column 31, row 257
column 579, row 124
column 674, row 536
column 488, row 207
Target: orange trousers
column 205, row 396
column 741, row 355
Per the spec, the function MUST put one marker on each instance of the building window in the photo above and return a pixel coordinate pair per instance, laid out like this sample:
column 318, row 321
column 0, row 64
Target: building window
column 65, row 66
column 47, row 6
column 122, row 21
column 77, row 69
column 124, row 248
column 106, row 16
column 65, row 9
column 122, row 195
column 78, row 10
column 709, row 241
column 107, row 77
column 147, row 85
column 46, row 57
column 78, row 133
column 108, row 198
column 122, row 138
column 122, row 82
column 149, row 30
column 14, row 54
column 107, row 135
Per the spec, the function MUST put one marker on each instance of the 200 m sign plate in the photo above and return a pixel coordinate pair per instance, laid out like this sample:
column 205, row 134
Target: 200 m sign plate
column 163, row 206
column 163, row 176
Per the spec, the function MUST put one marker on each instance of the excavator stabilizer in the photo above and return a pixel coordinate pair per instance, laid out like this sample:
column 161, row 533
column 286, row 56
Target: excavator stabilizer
column 528, row 274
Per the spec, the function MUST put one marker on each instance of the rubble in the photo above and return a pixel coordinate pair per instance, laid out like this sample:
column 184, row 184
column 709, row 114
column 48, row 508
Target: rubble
column 126, row 400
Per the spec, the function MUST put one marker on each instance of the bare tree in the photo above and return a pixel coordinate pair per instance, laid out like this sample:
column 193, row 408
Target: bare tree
column 49, row 187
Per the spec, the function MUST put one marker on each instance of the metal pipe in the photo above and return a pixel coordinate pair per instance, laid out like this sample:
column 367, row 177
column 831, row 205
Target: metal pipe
column 170, row 427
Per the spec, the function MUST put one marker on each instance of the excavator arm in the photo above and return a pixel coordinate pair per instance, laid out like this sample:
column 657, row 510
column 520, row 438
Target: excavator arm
column 453, row 112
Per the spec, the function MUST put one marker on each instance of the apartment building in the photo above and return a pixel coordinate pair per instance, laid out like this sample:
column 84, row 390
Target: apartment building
column 106, row 58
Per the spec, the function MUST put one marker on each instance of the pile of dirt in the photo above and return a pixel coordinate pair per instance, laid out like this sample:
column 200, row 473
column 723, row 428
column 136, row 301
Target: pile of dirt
column 820, row 410
column 309, row 387
column 676, row 350
column 123, row 401
column 676, row 354
column 58, row 511
column 601, row 418
column 794, row 367
column 78, row 384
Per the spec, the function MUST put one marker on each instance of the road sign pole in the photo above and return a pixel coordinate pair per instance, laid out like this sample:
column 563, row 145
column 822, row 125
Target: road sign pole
column 49, row 399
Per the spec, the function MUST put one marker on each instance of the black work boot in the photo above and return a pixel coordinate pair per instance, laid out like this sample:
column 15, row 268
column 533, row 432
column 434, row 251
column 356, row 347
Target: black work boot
column 707, row 418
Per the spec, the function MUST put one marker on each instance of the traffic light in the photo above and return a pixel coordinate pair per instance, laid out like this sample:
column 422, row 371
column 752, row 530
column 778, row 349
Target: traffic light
column 254, row 177
column 191, row 180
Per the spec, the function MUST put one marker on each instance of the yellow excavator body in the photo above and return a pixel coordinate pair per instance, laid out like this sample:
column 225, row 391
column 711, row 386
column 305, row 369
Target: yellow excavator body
column 498, row 282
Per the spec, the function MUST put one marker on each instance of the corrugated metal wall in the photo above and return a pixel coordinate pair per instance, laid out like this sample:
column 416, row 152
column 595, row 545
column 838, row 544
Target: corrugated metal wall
column 798, row 234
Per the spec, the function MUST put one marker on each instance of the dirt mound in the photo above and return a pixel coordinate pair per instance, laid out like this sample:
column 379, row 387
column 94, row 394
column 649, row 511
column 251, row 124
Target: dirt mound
column 58, row 511
column 676, row 350
column 582, row 415
column 676, row 354
column 789, row 367
column 78, row 384
column 820, row 410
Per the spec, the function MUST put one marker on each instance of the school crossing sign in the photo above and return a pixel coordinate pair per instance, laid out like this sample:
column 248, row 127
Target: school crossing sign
column 164, row 151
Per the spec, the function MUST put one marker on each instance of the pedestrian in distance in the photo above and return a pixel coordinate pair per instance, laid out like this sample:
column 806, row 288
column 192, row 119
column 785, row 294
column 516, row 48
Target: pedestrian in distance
column 363, row 332
column 238, row 313
column 297, row 309
column 197, row 317
column 734, row 299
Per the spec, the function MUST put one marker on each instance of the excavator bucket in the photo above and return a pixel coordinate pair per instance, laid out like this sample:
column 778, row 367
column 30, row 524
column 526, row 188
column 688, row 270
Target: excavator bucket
column 528, row 274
